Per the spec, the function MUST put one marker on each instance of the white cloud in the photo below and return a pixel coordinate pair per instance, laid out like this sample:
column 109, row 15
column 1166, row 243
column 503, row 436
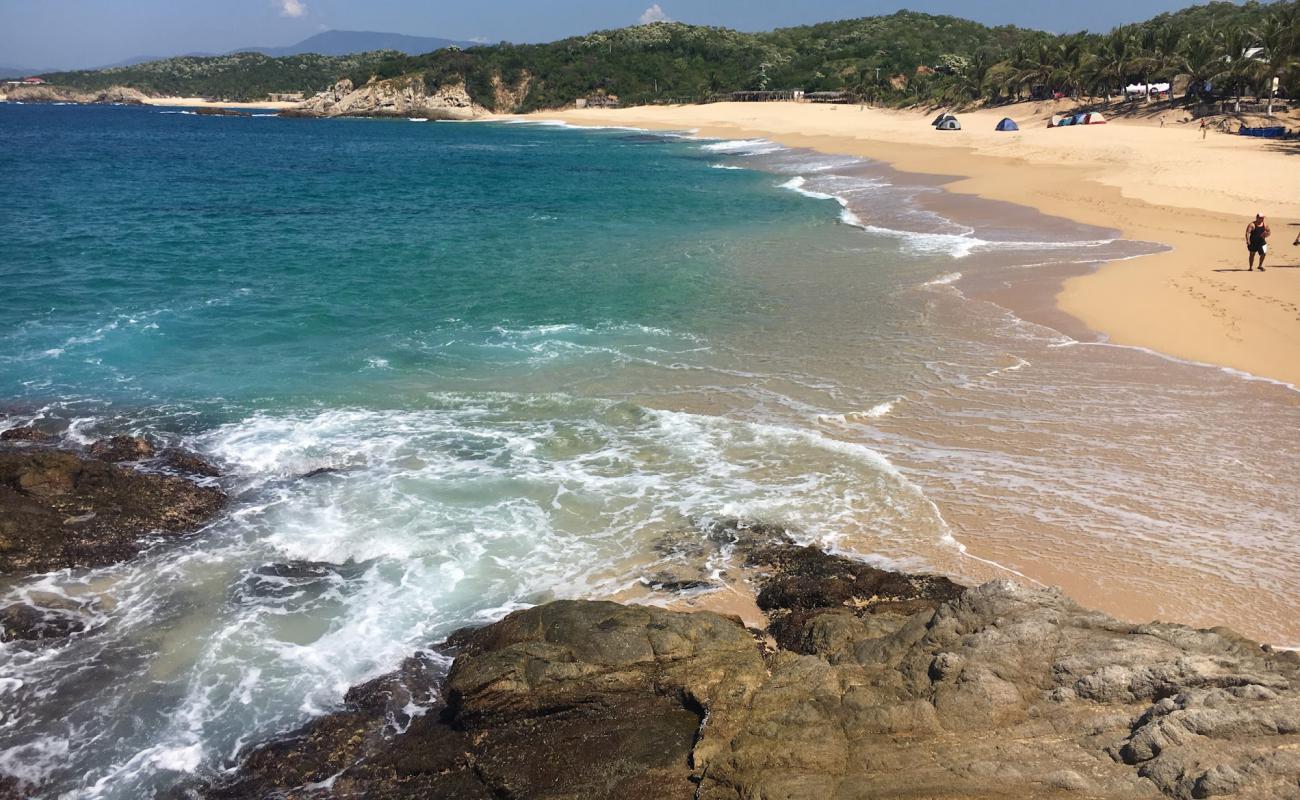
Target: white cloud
column 655, row 14
column 291, row 8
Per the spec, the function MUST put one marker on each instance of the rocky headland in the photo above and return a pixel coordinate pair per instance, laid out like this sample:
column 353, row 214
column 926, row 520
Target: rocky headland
column 407, row 96
column 68, row 507
column 864, row 684
column 49, row 93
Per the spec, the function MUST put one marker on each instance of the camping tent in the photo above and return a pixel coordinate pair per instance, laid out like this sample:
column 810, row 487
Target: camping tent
column 942, row 118
column 1095, row 118
column 1007, row 124
column 950, row 124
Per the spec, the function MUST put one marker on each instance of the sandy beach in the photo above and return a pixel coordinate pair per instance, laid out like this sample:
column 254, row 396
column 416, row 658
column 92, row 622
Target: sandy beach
column 1161, row 184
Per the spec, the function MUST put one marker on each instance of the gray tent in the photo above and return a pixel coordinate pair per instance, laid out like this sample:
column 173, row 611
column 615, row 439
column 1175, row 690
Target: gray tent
column 949, row 124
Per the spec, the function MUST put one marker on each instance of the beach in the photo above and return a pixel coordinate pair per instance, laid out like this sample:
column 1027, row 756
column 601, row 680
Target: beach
column 1159, row 184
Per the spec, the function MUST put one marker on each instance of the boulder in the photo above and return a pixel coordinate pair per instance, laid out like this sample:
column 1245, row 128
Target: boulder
column 24, row 622
column 188, row 463
column 60, row 509
column 883, row 686
column 25, row 434
column 120, row 449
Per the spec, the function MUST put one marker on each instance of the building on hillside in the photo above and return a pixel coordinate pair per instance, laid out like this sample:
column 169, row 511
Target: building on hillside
column 32, row 81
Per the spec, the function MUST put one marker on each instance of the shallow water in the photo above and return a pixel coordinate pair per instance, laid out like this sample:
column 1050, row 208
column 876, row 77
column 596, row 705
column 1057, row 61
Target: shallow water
column 537, row 362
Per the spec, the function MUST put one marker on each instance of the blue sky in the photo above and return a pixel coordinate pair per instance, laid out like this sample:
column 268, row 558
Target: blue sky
column 81, row 33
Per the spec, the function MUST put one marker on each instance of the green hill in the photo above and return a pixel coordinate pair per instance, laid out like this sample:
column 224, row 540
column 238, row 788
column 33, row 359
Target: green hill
column 239, row 76
column 902, row 58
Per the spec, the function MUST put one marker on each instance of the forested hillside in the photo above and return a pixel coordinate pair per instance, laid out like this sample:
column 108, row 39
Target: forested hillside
column 903, row 58
column 241, row 76
column 899, row 59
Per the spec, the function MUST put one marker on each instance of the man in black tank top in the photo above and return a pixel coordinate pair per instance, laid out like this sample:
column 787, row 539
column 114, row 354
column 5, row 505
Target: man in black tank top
column 1257, row 234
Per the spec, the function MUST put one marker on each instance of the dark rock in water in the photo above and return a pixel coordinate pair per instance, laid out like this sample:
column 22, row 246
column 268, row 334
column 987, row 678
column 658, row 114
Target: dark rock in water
column 221, row 112
column 668, row 583
column 59, row 509
column 28, row 623
column 894, row 686
column 297, row 580
column 317, row 473
column 188, row 463
column 13, row 789
column 121, row 449
column 25, row 434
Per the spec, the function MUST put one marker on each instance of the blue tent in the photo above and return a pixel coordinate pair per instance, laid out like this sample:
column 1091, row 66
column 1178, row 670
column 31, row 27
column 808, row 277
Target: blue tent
column 1008, row 124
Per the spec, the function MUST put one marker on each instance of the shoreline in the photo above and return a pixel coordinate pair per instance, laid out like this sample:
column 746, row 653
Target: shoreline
column 1210, row 311
column 1041, row 299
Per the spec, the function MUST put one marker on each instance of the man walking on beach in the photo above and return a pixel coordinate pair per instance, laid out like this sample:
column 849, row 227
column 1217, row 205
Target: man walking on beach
column 1257, row 234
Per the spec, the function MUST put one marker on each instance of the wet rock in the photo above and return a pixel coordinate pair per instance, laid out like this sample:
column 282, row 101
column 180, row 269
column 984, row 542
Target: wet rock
column 221, row 112
column 23, row 622
column 121, row 449
column 59, row 509
column 297, row 580
column 25, row 434
column 319, row 473
column 676, row 582
column 885, row 686
column 517, row 723
column 188, row 463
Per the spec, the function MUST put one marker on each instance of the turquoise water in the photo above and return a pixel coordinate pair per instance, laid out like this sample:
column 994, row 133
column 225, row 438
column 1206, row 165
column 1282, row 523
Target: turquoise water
column 539, row 361
column 272, row 264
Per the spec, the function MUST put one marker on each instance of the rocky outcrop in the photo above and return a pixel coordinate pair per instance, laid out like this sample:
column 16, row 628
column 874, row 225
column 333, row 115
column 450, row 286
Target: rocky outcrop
column 221, row 112
column 881, row 686
column 60, row 508
column 47, row 93
column 407, row 96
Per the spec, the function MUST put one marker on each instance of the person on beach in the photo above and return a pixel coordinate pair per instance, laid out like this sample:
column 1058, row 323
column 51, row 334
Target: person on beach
column 1257, row 234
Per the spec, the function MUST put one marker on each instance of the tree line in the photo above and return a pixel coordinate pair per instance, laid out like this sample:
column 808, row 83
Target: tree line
column 1217, row 49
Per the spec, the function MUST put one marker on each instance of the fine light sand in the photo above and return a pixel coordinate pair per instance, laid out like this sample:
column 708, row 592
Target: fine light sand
column 1162, row 184
column 199, row 102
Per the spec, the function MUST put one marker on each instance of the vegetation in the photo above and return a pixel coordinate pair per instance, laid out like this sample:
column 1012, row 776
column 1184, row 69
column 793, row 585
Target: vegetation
column 241, row 76
column 901, row 59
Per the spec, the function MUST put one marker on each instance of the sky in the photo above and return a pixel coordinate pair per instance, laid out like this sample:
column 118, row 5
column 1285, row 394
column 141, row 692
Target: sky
column 67, row 34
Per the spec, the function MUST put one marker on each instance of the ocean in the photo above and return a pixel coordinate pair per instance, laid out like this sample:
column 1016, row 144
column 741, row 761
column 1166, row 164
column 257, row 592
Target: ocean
column 466, row 368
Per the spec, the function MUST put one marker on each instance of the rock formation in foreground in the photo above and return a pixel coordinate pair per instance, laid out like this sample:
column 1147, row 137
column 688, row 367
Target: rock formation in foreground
column 400, row 97
column 63, row 508
column 867, row 684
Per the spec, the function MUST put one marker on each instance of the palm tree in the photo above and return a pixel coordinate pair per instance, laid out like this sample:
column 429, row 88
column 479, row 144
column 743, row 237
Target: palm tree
column 1200, row 59
column 1278, row 36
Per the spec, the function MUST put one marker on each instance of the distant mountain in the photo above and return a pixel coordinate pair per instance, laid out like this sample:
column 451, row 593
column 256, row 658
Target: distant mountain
column 18, row 72
column 342, row 43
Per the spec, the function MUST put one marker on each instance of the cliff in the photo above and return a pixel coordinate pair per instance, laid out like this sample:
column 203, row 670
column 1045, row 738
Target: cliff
column 866, row 684
column 407, row 96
